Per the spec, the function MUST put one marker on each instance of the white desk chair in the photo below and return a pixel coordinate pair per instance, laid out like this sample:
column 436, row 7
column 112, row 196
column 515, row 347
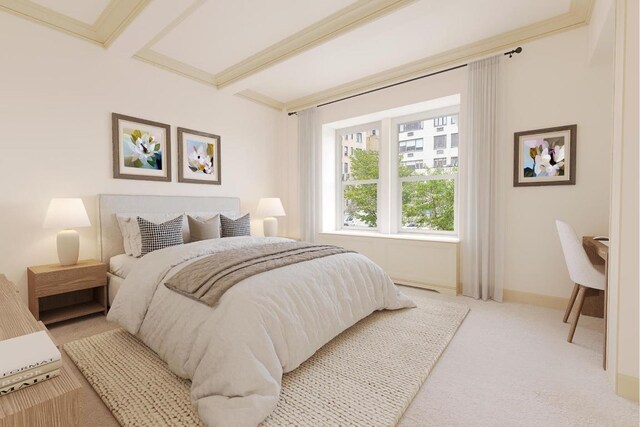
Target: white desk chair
column 582, row 272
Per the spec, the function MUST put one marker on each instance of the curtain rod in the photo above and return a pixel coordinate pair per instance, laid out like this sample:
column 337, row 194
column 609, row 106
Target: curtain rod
column 510, row 53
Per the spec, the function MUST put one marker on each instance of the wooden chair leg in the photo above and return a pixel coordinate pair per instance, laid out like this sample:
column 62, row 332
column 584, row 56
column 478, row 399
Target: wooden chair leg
column 572, row 300
column 580, row 302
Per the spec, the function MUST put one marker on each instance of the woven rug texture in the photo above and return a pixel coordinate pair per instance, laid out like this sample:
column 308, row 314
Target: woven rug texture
column 366, row 376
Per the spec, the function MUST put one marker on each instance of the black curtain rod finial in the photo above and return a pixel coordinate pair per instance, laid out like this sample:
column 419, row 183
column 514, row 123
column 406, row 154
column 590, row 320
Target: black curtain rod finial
column 511, row 52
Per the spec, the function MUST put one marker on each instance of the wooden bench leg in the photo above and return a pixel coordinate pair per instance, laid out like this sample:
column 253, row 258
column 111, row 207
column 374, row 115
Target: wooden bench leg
column 580, row 302
column 572, row 300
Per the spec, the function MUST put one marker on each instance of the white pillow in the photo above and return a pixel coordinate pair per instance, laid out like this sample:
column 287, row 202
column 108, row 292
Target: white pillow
column 130, row 231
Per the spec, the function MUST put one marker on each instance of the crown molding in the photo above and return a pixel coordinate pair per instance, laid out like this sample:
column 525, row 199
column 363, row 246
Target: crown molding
column 173, row 65
column 261, row 99
column 578, row 15
column 334, row 25
column 111, row 22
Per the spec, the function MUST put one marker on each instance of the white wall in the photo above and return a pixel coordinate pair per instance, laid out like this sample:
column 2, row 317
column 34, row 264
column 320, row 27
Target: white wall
column 550, row 84
column 57, row 93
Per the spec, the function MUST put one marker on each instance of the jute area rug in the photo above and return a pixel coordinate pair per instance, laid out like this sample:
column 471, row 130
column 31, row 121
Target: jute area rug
column 367, row 376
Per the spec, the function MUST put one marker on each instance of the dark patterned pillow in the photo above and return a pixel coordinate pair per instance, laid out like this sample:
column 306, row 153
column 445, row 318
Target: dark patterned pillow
column 158, row 236
column 235, row 227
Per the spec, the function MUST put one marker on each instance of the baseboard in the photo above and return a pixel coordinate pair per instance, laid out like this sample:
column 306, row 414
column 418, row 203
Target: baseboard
column 440, row 289
column 628, row 387
column 534, row 299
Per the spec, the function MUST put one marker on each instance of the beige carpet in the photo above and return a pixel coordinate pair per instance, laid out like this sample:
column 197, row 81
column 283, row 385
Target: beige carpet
column 366, row 376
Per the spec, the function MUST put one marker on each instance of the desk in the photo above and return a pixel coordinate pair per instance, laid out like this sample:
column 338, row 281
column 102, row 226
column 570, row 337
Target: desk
column 598, row 253
column 52, row 403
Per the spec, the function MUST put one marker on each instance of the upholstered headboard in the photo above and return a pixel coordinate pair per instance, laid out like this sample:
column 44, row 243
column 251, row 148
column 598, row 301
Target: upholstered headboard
column 109, row 236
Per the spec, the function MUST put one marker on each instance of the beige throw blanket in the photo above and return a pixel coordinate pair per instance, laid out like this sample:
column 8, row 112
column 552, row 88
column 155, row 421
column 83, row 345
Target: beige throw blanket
column 207, row 279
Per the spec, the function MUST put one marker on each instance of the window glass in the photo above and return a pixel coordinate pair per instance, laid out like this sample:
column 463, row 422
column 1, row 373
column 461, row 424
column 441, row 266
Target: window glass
column 439, row 141
column 360, row 179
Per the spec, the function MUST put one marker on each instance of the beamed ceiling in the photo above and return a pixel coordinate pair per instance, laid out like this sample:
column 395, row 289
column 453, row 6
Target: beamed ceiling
column 291, row 54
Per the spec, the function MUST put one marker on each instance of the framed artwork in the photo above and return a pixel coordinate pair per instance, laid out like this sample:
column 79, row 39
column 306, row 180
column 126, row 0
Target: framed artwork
column 141, row 149
column 198, row 157
column 545, row 156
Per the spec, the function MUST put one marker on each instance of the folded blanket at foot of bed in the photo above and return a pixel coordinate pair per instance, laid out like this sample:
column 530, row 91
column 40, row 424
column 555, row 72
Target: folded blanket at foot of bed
column 207, row 279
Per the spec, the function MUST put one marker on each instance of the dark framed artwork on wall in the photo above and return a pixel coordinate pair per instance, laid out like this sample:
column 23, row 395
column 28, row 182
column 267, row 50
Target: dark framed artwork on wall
column 141, row 149
column 199, row 157
column 545, row 156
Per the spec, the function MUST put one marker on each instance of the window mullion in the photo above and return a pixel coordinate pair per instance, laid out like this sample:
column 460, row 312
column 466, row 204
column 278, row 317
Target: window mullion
column 384, row 201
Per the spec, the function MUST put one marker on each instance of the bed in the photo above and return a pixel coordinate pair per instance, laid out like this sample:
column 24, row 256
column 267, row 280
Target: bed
column 236, row 351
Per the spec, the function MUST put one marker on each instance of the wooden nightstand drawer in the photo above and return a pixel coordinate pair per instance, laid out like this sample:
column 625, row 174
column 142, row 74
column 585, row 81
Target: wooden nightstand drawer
column 53, row 279
column 59, row 293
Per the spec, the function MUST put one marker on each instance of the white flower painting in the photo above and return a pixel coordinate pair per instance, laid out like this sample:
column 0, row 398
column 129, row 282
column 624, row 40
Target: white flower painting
column 198, row 157
column 545, row 156
column 141, row 149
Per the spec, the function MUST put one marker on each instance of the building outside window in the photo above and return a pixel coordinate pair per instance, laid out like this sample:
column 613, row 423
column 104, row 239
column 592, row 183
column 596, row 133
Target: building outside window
column 454, row 161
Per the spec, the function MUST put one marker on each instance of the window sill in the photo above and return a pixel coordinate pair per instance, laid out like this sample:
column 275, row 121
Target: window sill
column 400, row 236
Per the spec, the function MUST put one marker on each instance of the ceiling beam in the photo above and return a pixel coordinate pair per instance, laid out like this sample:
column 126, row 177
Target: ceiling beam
column 261, row 99
column 579, row 14
column 334, row 25
column 116, row 16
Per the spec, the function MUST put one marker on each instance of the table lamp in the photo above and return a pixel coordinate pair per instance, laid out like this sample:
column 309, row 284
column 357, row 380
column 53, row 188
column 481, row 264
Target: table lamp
column 269, row 208
column 65, row 214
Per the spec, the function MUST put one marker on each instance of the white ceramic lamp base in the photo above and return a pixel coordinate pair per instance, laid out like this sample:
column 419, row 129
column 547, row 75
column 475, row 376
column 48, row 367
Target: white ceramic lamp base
column 270, row 227
column 68, row 247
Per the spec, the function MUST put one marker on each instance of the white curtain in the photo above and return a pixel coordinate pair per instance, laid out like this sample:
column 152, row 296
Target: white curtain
column 309, row 161
column 481, row 228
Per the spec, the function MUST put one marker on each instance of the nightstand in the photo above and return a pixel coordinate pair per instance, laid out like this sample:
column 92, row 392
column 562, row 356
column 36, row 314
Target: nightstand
column 58, row 293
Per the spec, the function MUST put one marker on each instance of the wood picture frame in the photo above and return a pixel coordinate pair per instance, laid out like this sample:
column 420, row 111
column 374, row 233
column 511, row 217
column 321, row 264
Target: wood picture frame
column 545, row 156
column 199, row 160
column 141, row 148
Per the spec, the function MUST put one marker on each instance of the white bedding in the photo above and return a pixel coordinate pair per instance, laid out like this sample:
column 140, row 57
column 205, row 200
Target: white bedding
column 121, row 265
column 236, row 352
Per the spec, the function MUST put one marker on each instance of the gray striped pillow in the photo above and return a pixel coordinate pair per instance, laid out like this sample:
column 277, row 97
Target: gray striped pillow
column 235, row 227
column 159, row 236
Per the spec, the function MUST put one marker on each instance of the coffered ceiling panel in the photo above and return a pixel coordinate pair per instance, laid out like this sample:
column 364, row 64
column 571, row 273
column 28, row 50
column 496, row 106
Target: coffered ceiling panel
column 423, row 29
column 99, row 21
column 82, row 10
column 221, row 33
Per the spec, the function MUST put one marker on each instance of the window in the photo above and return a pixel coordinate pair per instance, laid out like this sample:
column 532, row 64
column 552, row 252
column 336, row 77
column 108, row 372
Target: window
column 411, row 145
column 407, row 127
column 454, row 140
column 417, row 191
column 439, row 162
column 359, row 183
column 346, row 150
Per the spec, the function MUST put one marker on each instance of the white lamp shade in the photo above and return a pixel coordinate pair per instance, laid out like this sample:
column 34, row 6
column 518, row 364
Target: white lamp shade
column 66, row 213
column 270, row 206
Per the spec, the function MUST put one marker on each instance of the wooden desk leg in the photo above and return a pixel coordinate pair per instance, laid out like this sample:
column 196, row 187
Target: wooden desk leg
column 606, row 308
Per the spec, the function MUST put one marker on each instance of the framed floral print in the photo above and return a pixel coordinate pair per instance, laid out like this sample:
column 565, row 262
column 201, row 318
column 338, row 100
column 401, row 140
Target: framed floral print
column 545, row 156
column 198, row 157
column 141, row 149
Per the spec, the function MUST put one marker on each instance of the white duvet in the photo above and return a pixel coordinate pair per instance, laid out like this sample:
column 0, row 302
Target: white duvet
column 236, row 352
